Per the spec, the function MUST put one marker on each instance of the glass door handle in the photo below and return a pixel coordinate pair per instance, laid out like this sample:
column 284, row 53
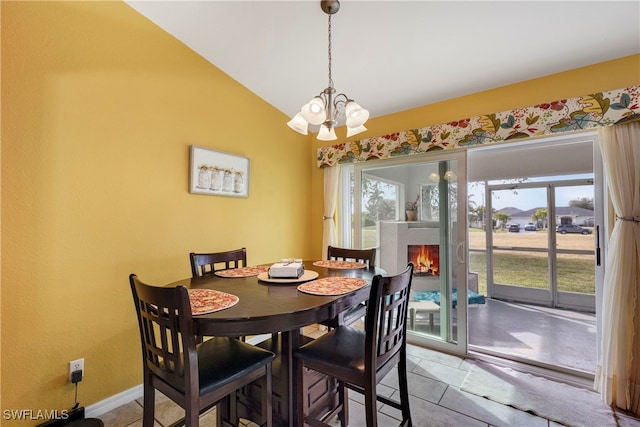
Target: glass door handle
column 598, row 245
column 460, row 252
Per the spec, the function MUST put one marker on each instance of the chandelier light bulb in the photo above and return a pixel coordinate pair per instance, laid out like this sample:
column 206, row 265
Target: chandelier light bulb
column 354, row 130
column 356, row 115
column 314, row 111
column 299, row 124
column 327, row 133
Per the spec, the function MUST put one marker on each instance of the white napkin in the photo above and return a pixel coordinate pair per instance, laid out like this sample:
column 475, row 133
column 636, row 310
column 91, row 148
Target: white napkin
column 286, row 270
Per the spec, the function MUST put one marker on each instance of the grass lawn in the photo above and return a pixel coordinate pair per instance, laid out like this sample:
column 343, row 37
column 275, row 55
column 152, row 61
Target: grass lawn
column 575, row 274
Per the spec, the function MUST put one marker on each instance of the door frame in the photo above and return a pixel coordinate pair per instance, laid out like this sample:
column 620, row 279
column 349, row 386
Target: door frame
column 550, row 296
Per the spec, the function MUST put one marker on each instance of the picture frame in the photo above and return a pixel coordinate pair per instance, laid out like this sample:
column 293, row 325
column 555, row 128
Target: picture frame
column 216, row 173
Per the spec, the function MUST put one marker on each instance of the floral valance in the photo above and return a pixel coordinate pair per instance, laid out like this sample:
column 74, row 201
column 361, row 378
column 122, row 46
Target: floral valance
column 565, row 115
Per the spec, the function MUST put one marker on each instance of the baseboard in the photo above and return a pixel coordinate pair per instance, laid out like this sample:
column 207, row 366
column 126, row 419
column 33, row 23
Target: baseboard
column 113, row 402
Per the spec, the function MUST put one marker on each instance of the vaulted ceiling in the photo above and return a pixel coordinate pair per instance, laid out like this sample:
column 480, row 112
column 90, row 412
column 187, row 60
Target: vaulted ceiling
column 394, row 55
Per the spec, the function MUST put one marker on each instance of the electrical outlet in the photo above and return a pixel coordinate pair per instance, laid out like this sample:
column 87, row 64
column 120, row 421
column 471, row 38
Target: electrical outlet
column 76, row 365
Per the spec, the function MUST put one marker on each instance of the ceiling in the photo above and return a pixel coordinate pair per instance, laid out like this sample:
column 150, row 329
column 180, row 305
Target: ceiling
column 390, row 56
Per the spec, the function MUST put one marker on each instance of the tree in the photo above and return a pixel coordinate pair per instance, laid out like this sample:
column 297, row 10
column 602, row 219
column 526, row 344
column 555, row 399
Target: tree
column 473, row 209
column 540, row 216
column 483, row 216
column 501, row 217
column 583, row 202
column 375, row 200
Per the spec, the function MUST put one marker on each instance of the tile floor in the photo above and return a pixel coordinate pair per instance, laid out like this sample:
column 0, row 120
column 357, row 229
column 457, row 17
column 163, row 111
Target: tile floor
column 436, row 400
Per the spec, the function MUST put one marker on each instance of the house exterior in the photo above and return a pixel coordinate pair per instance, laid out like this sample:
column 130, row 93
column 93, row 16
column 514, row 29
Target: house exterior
column 564, row 215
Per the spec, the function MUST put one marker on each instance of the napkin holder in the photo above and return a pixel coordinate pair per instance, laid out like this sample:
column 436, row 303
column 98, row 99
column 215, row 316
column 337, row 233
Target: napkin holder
column 286, row 270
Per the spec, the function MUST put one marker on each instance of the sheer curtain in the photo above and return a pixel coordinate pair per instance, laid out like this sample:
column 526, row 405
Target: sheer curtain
column 618, row 372
column 331, row 182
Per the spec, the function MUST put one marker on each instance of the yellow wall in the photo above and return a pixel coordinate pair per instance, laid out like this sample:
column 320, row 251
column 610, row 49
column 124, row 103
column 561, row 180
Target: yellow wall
column 99, row 109
column 615, row 74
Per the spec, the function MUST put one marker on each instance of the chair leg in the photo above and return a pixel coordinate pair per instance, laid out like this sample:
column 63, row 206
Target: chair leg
column 267, row 399
column 371, row 405
column 148, row 407
column 404, row 391
column 343, row 401
column 192, row 412
column 300, row 399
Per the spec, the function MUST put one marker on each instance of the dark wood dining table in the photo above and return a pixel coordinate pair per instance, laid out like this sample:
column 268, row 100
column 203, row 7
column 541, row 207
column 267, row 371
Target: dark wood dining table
column 269, row 308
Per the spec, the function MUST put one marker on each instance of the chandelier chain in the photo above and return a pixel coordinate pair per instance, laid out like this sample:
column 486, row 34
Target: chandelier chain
column 330, row 78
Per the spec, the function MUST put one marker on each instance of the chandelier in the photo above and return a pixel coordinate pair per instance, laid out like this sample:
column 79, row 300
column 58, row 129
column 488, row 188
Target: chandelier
column 327, row 108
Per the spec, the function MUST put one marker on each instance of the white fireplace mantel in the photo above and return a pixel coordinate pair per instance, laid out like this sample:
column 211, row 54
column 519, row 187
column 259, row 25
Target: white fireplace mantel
column 395, row 238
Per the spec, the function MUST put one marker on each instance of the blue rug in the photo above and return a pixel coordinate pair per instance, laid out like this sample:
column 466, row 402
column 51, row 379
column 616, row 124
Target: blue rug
column 434, row 296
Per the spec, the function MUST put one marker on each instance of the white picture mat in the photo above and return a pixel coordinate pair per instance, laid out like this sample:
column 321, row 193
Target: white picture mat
column 218, row 163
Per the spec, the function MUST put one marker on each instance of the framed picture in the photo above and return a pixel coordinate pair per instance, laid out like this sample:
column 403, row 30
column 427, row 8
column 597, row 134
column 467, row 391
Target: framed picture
column 218, row 174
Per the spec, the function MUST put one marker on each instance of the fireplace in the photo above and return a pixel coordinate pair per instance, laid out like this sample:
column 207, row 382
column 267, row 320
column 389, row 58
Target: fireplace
column 399, row 240
column 425, row 259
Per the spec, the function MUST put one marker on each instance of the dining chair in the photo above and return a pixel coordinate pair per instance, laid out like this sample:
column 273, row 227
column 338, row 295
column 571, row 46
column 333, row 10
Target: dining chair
column 366, row 256
column 359, row 359
column 203, row 264
column 196, row 377
column 208, row 263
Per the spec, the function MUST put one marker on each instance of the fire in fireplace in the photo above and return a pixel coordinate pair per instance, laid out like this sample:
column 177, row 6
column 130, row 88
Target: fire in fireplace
column 425, row 259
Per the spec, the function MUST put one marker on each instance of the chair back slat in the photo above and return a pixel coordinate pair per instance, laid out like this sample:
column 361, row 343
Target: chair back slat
column 367, row 256
column 386, row 319
column 208, row 263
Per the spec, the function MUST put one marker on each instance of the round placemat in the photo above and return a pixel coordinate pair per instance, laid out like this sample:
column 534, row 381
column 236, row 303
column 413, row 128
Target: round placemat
column 332, row 286
column 205, row 301
column 340, row 265
column 242, row 271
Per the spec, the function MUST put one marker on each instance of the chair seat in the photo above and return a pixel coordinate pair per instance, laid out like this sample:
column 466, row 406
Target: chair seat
column 224, row 360
column 340, row 351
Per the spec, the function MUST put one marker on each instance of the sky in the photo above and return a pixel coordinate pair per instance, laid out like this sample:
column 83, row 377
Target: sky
column 529, row 198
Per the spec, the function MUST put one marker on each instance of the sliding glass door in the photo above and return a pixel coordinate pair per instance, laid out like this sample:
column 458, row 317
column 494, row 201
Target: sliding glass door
column 414, row 210
column 535, row 244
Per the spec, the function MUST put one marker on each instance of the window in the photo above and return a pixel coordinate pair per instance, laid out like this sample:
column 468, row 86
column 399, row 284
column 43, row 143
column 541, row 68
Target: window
column 381, row 201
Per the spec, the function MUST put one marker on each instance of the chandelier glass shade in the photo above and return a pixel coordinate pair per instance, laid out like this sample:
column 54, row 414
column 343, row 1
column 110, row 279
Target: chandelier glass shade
column 327, row 108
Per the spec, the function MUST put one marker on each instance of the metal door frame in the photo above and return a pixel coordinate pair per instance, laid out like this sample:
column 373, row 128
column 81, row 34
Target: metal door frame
column 551, row 296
